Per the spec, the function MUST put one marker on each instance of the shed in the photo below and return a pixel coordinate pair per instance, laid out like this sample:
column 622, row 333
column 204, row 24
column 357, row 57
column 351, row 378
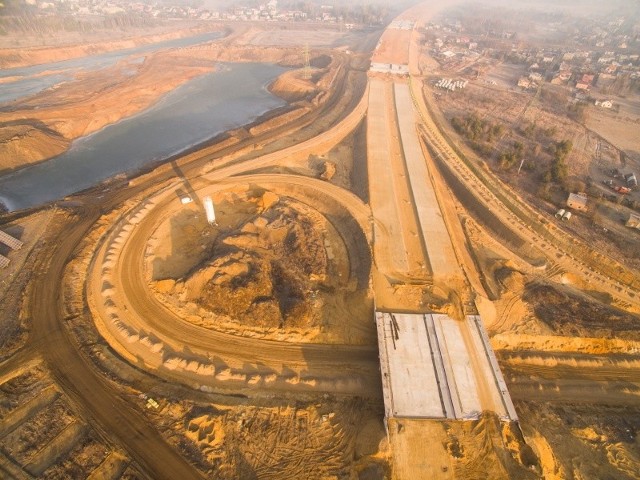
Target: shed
column 634, row 221
column 631, row 179
column 577, row 201
column 566, row 216
column 560, row 213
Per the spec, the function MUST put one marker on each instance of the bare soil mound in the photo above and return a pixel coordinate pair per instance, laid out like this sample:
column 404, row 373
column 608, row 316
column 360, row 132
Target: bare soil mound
column 20, row 143
column 570, row 314
column 266, row 272
column 583, row 440
column 292, row 87
column 274, row 267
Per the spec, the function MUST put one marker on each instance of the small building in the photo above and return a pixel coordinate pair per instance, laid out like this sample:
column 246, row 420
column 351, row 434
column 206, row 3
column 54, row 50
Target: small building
column 577, row 201
column 631, row 180
column 587, row 78
column 524, row 82
column 634, row 221
column 560, row 213
column 536, row 77
column 561, row 78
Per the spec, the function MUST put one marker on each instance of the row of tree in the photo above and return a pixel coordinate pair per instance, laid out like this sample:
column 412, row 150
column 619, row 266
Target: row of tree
column 29, row 23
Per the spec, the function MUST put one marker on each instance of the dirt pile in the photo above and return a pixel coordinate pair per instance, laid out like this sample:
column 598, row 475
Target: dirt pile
column 583, row 441
column 293, row 87
column 572, row 314
column 329, row 171
column 20, row 143
column 488, row 447
column 483, row 448
column 266, row 273
column 274, row 267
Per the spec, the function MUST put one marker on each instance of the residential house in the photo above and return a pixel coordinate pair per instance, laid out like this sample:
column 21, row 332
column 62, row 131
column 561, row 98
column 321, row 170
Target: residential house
column 587, row 78
column 524, row 82
column 536, row 77
column 562, row 77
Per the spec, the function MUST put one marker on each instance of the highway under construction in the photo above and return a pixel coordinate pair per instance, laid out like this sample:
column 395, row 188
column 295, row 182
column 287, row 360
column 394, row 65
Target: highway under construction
column 300, row 299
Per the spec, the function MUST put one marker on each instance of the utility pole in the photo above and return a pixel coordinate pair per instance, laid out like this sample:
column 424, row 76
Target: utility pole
column 306, row 71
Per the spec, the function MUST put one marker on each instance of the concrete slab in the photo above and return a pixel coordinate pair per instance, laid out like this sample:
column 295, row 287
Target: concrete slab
column 434, row 366
column 441, row 372
column 462, row 383
column 408, row 371
column 11, row 242
column 442, row 258
column 389, row 240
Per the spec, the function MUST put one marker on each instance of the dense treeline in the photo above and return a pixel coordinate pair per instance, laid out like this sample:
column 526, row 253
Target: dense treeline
column 558, row 170
column 479, row 132
column 29, row 23
column 475, row 128
column 529, row 147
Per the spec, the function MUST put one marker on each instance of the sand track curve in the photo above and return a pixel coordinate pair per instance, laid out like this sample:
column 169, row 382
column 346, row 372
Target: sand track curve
column 140, row 328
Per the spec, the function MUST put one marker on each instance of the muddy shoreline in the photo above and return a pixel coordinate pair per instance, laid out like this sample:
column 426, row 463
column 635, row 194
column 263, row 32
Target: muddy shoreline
column 128, row 175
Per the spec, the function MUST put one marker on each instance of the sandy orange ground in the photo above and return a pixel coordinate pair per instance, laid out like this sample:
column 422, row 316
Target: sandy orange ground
column 393, row 47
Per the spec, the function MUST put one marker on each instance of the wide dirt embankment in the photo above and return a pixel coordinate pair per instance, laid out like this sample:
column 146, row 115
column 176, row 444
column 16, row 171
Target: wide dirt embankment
column 23, row 51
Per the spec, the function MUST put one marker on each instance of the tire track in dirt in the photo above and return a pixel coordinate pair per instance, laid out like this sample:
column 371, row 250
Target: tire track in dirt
column 138, row 307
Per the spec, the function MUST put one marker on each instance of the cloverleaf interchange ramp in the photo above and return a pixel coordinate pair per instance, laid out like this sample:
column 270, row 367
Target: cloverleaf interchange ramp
column 436, row 360
column 94, row 396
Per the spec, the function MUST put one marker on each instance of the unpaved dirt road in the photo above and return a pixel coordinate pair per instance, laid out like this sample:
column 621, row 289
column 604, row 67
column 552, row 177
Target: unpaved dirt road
column 77, row 376
column 91, row 394
column 139, row 307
